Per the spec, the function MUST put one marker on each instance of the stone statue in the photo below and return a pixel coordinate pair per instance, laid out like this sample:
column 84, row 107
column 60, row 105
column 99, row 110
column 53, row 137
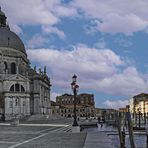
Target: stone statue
column 44, row 69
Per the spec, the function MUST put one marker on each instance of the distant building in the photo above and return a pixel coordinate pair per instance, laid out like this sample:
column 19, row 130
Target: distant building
column 105, row 113
column 139, row 103
column 123, row 110
column 85, row 105
column 55, row 109
column 23, row 90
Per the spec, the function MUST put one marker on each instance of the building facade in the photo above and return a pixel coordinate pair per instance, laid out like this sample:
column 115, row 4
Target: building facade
column 23, row 90
column 85, row 105
column 139, row 103
column 105, row 113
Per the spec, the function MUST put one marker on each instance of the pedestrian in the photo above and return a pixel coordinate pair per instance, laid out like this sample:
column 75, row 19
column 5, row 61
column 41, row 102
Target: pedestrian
column 98, row 119
column 101, row 125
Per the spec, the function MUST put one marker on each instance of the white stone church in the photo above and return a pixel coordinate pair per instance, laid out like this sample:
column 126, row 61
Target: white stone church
column 23, row 90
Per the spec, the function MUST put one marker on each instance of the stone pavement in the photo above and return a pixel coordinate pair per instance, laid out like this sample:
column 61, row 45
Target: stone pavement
column 51, row 134
column 42, row 136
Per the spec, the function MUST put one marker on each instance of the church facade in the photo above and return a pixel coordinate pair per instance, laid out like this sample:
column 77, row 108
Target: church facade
column 23, row 90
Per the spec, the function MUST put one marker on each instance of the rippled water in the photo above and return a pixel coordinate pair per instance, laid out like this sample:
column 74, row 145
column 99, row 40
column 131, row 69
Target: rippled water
column 139, row 139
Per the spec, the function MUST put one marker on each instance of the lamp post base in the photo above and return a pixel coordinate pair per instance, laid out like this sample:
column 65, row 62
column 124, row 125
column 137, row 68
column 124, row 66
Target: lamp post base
column 75, row 129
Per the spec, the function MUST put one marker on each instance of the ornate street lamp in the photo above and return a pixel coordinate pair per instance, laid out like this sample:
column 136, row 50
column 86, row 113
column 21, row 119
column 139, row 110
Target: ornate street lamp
column 74, row 87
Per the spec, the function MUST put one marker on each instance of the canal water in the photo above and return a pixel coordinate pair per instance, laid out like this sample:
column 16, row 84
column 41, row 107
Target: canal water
column 139, row 138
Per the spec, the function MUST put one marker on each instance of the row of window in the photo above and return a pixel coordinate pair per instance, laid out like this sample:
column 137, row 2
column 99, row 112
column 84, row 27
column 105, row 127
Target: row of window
column 69, row 115
column 80, row 100
column 78, row 110
column 17, row 88
column 12, row 67
column 16, row 103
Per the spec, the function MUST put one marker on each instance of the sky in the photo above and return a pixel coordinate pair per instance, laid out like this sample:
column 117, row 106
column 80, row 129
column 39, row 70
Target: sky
column 103, row 42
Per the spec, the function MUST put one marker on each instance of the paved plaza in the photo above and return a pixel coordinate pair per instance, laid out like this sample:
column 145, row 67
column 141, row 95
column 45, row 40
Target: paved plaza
column 51, row 134
column 40, row 137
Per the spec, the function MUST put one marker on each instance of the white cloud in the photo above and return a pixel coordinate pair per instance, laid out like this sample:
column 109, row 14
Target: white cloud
column 116, row 104
column 124, row 24
column 115, row 16
column 54, row 95
column 100, row 70
column 37, row 41
column 32, row 12
column 128, row 82
column 35, row 12
column 54, row 30
column 65, row 11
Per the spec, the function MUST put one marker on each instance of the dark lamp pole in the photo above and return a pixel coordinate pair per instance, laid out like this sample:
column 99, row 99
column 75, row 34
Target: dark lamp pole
column 74, row 87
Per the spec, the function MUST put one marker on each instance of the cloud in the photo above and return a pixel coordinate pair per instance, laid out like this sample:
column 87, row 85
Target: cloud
column 127, row 83
column 66, row 11
column 112, row 17
column 38, row 12
column 100, row 70
column 116, row 104
column 53, row 30
column 115, row 16
column 54, row 95
column 37, row 41
column 127, row 24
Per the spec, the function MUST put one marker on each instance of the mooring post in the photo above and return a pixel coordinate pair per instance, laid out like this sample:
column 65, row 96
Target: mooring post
column 123, row 137
column 139, row 116
column 118, row 119
column 130, row 128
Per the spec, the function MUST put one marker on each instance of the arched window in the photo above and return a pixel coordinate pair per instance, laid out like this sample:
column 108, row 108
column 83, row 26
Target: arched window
column 12, row 88
column 5, row 66
column 17, row 87
column 22, row 89
column 13, row 68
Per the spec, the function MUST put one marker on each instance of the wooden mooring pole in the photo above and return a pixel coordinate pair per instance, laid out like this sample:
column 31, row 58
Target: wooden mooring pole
column 130, row 128
column 121, row 133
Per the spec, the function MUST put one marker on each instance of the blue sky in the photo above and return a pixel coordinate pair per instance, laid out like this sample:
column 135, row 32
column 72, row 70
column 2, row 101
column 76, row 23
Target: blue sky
column 103, row 42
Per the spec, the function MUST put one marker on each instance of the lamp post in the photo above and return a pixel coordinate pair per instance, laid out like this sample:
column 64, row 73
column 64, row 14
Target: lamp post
column 139, row 116
column 74, row 87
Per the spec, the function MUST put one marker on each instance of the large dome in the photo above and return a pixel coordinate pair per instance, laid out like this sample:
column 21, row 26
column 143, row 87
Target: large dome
column 10, row 39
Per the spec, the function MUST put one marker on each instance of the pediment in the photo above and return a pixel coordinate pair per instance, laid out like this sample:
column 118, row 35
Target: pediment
column 17, row 77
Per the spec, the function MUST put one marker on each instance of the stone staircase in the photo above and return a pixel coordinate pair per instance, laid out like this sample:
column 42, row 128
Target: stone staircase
column 43, row 117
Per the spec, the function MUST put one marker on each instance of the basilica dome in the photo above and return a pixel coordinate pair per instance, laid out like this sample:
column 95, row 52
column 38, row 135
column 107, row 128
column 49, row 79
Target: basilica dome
column 10, row 39
column 7, row 37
